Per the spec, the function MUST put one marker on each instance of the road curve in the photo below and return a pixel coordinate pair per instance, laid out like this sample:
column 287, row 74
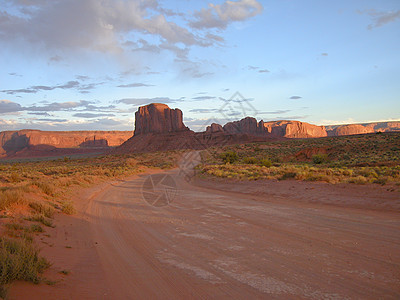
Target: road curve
column 209, row 244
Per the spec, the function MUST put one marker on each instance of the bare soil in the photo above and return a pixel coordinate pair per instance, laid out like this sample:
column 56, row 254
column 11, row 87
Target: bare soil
column 240, row 240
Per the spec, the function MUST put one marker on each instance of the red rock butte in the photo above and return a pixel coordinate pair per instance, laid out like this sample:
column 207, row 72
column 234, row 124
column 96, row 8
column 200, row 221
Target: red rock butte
column 158, row 118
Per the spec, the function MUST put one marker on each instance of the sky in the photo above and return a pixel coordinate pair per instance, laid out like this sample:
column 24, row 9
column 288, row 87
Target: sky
column 89, row 64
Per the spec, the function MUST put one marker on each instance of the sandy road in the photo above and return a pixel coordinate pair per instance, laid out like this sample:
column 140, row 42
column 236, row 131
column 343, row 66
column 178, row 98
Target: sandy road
column 210, row 244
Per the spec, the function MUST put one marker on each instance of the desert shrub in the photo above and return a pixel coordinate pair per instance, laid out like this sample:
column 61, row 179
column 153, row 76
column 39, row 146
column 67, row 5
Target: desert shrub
column 15, row 177
column 45, row 187
column 10, row 197
column 358, row 180
column 14, row 226
column 36, row 228
column 381, row 180
column 19, row 260
column 229, row 157
column 41, row 219
column 67, row 208
column 319, row 158
column 288, row 175
column 265, row 162
column 41, row 208
column 250, row 160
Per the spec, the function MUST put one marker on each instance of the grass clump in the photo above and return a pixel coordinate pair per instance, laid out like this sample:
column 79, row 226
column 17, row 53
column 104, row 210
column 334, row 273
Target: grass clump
column 67, row 208
column 41, row 219
column 10, row 197
column 19, row 260
column 45, row 187
column 41, row 208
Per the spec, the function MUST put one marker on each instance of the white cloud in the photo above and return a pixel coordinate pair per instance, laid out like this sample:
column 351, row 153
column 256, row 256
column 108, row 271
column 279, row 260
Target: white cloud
column 221, row 15
column 90, row 24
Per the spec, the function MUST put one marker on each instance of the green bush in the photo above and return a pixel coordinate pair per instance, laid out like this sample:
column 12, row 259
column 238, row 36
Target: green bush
column 319, row 158
column 229, row 157
column 250, row 160
column 266, row 163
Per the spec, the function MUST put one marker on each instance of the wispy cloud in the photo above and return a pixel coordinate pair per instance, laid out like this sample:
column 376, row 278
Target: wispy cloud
column 380, row 18
column 73, row 84
column 91, row 115
column 143, row 101
column 295, row 97
column 204, row 110
column 133, row 85
column 221, row 15
column 276, row 112
column 203, row 98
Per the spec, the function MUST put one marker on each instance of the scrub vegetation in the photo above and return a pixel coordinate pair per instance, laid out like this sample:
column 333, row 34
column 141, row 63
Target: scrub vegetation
column 360, row 159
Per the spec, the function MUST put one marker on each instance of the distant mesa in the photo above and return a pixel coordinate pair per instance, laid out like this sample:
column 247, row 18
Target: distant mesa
column 29, row 143
column 160, row 128
column 295, row 129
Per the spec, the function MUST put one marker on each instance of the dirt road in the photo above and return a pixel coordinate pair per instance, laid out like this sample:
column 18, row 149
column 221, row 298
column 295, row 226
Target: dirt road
column 209, row 244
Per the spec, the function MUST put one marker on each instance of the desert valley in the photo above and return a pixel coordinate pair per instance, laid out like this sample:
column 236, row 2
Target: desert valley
column 215, row 149
column 253, row 209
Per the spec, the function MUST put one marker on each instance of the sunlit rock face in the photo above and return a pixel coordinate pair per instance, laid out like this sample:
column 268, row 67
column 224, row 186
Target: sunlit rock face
column 158, row 118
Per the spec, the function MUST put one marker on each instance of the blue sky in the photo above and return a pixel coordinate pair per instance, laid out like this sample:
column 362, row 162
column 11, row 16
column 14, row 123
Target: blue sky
column 88, row 65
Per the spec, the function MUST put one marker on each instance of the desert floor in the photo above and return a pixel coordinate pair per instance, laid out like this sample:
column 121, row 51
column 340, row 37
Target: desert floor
column 248, row 240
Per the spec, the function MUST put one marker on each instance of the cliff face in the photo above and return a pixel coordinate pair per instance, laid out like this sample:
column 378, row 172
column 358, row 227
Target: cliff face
column 247, row 125
column 349, row 129
column 14, row 141
column 158, row 118
column 295, row 129
column 213, row 128
column 159, row 128
column 352, row 129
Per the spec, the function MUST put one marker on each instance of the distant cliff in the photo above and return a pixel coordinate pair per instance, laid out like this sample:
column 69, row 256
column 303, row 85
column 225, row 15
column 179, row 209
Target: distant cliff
column 349, row 129
column 15, row 141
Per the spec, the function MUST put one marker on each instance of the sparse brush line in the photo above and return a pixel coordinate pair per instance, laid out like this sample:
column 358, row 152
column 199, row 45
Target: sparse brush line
column 354, row 159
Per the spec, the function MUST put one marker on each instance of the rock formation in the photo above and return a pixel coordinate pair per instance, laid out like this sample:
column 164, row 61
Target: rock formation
column 158, row 118
column 12, row 142
column 349, row 129
column 247, row 125
column 159, row 128
column 295, row 129
column 213, row 128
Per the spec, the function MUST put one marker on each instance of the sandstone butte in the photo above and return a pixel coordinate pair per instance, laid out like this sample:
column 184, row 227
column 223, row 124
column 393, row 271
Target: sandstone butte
column 158, row 127
column 14, row 141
